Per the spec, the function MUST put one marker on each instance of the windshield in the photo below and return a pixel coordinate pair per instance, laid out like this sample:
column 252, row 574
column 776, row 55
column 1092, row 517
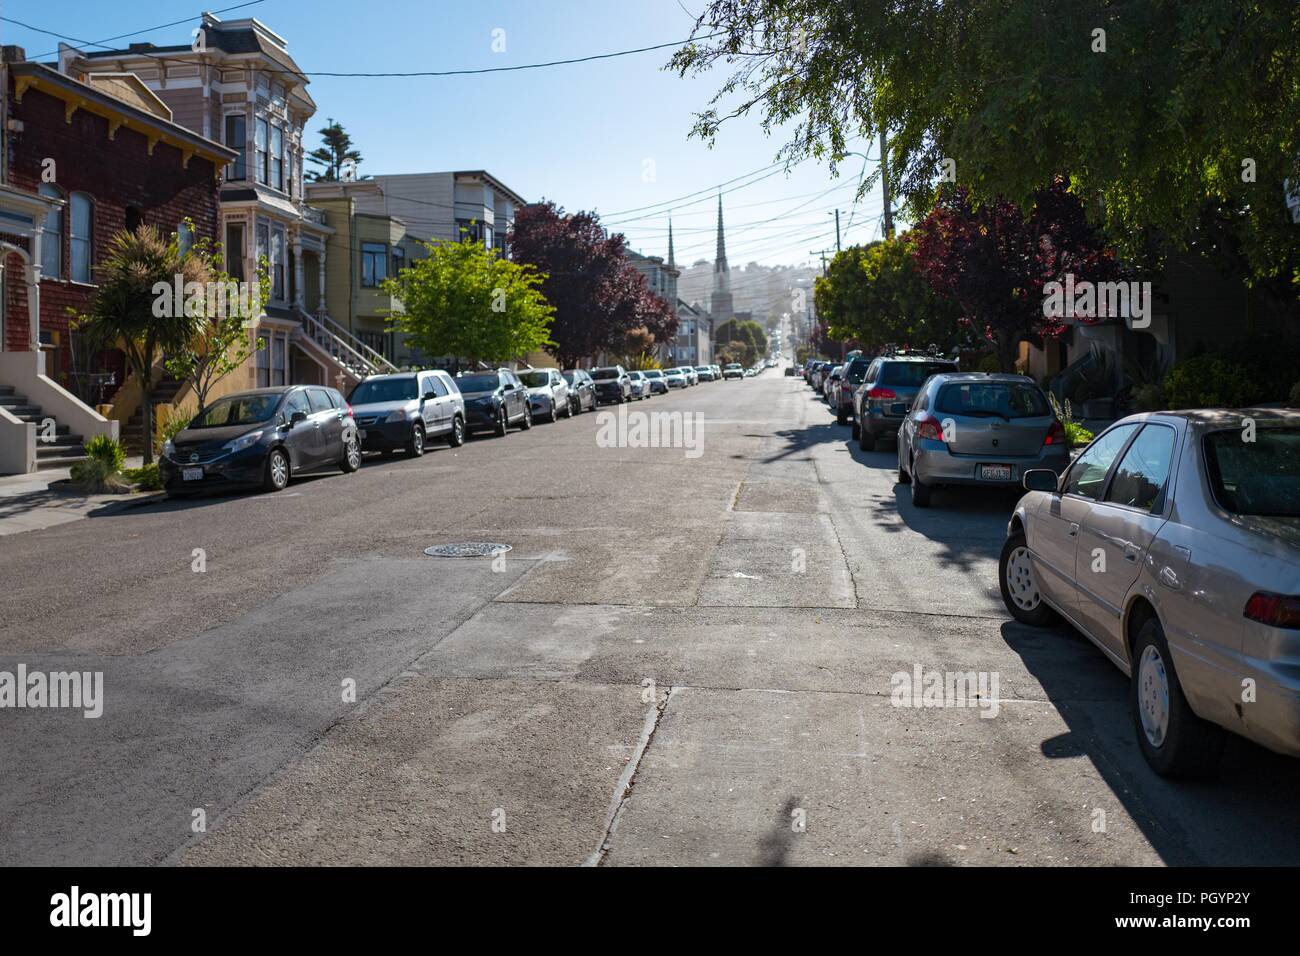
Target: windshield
column 992, row 400
column 655, row 373
column 909, row 374
column 601, row 373
column 734, row 365
column 237, row 410
column 1256, row 478
column 535, row 379
column 478, row 383
column 568, row 377
column 377, row 390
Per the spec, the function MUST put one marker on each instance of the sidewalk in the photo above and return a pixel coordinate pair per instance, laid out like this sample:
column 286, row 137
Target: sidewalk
column 32, row 502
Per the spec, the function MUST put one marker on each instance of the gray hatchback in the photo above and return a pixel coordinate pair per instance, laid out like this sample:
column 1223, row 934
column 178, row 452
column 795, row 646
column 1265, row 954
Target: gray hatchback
column 977, row 428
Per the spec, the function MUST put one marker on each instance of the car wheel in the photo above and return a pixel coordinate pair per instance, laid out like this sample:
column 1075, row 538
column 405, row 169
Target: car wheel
column 415, row 447
column 568, row 409
column 903, row 477
column 527, row 423
column 276, row 475
column 351, row 456
column 502, row 425
column 920, row 493
column 866, row 440
column 856, row 428
column 881, row 442
column 840, row 417
column 456, row 437
column 1174, row 741
column 1020, row 584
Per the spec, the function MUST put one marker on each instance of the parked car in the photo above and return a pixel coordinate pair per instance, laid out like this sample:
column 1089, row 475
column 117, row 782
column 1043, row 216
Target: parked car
column 891, row 381
column 733, row 370
column 828, row 383
column 406, row 409
column 853, row 375
column 819, row 373
column 582, row 390
column 658, row 381
column 261, row 437
column 717, row 372
column 705, row 373
column 640, row 385
column 675, row 378
column 494, row 401
column 977, row 428
column 548, row 393
column 692, row 376
column 612, row 384
column 1173, row 544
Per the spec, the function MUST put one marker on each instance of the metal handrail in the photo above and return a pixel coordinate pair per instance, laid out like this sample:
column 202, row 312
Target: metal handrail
column 343, row 346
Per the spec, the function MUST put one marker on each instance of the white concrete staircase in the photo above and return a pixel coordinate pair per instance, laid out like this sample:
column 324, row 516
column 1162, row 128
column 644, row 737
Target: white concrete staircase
column 338, row 350
column 63, row 451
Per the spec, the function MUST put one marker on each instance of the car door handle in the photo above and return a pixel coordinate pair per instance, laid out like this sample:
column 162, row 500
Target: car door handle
column 1169, row 578
column 1074, row 530
column 1132, row 553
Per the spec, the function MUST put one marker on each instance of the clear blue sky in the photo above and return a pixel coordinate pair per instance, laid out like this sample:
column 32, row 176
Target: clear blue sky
column 583, row 135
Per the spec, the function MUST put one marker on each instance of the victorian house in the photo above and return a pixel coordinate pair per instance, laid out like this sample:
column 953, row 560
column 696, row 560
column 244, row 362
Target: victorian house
column 235, row 82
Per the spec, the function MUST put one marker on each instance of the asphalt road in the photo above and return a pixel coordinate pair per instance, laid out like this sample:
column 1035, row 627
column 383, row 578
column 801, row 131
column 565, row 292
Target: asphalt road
column 685, row 659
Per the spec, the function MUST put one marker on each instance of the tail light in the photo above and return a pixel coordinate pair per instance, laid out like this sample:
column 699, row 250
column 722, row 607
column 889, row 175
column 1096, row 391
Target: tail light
column 929, row 427
column 1275, row 610
column 879, row 392
column 1055, row 434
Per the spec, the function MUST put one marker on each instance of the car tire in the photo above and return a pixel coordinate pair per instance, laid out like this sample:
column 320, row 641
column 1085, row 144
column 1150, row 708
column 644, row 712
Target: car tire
column 866, row 440
column 527, row 423
column 840, row 417
column 1174, row 741
column 1020, row 592
column 880, row 443
column 351, row 456
column 920, row 493
column 503, row 424
column 415, row 444
column 275, row 476
column 903, row 477
column 856, row 428
column 456, row 437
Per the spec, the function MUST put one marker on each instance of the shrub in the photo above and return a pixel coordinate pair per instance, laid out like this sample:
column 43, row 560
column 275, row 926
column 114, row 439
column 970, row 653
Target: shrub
column 1076, row 435
column 107, row 452
column 989, row 363
column 167, row 422
column 146, row 478
column 1208, row 381
column 1149, row 397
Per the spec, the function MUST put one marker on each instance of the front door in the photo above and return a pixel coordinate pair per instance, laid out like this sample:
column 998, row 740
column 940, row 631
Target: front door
column 1117, row 532
column 1054, row 540
column 300, row 438
column 329, row 425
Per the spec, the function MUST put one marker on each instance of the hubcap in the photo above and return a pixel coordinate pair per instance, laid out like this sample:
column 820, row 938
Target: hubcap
column 1153, row 696
column 1021, row 584
column 419, row 439
column 279, row 470
column 354, row 455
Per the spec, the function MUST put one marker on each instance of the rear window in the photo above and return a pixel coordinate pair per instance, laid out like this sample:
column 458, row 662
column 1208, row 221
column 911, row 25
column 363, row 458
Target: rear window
column 911, row 374
column 993, row 400
column 856, row 372
column 604, row 373
column 376, row 390
column 1260, row 477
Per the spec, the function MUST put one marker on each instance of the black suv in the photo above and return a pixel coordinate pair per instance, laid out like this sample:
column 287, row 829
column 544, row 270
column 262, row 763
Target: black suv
column 613, row 384
column 891, row 380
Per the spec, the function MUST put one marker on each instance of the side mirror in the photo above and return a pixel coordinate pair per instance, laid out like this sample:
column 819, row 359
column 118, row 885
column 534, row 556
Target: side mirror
column 1040, row 479
column 296, row 418
column 428, row 396
column 898, row 408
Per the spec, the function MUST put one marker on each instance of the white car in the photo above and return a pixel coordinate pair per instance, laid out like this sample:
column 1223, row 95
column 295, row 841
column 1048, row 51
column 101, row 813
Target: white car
column 676, row 378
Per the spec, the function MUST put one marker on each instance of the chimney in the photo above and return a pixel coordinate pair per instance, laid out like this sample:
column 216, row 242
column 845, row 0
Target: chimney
column 140, row 47
column 13, row 54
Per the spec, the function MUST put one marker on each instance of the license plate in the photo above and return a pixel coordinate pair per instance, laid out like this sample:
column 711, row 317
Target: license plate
column 995, row 472
column 191, row 474
column 361, row 434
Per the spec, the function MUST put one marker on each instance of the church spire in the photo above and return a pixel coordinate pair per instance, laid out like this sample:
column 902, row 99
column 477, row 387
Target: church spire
column 720, row 261
column 721, row 303
column 672, row 262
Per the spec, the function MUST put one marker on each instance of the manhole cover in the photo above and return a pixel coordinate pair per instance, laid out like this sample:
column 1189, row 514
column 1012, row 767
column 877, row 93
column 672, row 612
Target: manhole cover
column 467, row 549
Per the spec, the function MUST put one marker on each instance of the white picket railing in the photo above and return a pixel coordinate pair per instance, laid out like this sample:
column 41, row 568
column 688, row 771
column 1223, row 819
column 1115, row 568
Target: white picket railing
column 343, row 347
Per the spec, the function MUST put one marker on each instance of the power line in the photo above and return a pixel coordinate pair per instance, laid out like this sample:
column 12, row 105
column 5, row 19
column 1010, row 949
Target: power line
column 136, row 33
column 304, row 74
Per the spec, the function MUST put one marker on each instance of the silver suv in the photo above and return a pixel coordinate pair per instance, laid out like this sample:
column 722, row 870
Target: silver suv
column 405, row 409
column 891, row 380
column 977, row 428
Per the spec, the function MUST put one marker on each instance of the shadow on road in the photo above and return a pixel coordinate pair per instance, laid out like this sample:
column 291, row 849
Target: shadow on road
column 1229, row 820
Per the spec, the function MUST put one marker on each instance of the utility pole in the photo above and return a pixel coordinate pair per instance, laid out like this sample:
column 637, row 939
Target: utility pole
column 884, row 185
column 822, row 253
column 837, row 231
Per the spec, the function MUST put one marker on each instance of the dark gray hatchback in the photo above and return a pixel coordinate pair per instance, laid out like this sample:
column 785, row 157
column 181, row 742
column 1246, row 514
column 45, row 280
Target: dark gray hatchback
column 261, row 437
column 890, row 380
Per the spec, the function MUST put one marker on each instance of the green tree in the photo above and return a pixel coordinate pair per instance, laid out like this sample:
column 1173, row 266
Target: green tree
column 127, row 309
column 743, row 338
column 463, row 299
column 221, row 343
column 875, row 295
column 1174, row 119
column 337, row 153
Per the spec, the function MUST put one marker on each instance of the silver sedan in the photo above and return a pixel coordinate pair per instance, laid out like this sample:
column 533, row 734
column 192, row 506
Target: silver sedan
column 1173, row 544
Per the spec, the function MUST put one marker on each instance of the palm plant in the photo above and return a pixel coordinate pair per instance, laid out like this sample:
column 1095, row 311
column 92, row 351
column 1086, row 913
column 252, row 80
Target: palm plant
column 123, row 308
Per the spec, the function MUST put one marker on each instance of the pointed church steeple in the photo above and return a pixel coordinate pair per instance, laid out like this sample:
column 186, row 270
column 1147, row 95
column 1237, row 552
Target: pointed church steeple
column 672, row 261
column 720, row 304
